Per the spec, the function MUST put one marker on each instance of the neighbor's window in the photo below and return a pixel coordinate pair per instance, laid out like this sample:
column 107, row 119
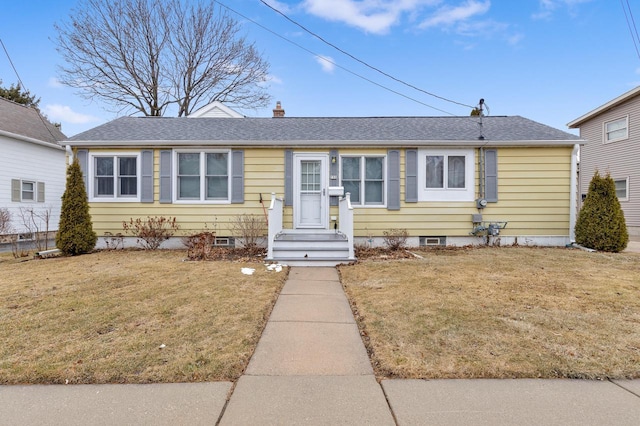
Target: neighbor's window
column 28, row 191
column 364, row 178
column 616, row 130
column 115, row 176
column 445, row 172
column 203, row 176
column 622, row 189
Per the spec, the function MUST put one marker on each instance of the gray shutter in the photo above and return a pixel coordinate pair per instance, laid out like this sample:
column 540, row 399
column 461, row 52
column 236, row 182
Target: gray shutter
column 393, row 179
column 83, row 159
column 491, row 175
column 40, row 195
column 237, row 176
column 165, row 177
column 16, row 190
column 333, row 175
column 288, row 177
column 146, row 184
column 411, row 176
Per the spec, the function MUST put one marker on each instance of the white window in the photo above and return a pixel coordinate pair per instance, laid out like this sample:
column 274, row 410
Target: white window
column 114, row 177
column 25, row 190
column 446, row 175
column 28, row 191
column 364, row 178
column 622, row 189
column 202, row 176
column 616, row 130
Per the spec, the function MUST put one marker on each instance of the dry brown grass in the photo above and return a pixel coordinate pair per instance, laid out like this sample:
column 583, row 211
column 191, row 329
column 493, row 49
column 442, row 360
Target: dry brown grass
column 500, row 313
column 103, row 317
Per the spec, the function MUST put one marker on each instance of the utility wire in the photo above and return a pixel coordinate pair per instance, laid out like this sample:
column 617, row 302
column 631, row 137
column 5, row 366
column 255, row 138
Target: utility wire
column 24, row 88
column 632, row 25
column 332, row 62
column 361, row 61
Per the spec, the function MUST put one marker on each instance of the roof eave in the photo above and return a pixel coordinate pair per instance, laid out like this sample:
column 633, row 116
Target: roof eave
column 603, row 108
column 321, row 143
column 31, row 140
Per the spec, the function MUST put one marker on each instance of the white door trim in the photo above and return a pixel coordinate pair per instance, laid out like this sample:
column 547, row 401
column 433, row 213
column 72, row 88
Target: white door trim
column 298, row 199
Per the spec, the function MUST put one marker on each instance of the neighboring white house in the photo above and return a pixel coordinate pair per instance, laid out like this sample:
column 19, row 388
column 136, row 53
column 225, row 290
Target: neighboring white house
column 33, row 171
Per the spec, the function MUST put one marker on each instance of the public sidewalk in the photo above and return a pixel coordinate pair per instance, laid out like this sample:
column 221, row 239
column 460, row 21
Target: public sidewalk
column 311, row 368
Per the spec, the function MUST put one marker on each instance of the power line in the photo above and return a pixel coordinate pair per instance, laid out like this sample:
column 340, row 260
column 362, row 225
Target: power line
column 361, row 61
column 632, row 26
column 25, row 88
column 332, row 62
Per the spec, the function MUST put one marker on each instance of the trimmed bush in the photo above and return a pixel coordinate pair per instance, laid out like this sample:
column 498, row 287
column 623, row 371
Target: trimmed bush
column 75, row 232
column 601, row 224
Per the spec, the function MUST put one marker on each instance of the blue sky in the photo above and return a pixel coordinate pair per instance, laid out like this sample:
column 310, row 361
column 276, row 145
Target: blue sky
column 547, row 60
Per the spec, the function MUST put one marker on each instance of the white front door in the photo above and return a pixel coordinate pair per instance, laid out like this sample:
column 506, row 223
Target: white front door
column 310, row 207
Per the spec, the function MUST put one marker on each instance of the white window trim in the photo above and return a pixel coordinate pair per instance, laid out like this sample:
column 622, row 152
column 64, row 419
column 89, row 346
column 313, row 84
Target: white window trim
column 385, row 180
column 202, row 200
column 626, row 179
column 35, row 191
column 115, row 198
column 445, row 194
column 604, row 130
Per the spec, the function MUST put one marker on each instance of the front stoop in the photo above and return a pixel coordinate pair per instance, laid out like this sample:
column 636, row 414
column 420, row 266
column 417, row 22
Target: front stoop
column 311, row 248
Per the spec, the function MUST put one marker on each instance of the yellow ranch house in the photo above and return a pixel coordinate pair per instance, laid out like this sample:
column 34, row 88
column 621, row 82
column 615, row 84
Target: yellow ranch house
column 325, row 184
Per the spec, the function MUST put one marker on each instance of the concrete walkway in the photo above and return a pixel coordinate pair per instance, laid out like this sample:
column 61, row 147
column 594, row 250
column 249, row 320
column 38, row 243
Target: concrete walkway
column 311, row 368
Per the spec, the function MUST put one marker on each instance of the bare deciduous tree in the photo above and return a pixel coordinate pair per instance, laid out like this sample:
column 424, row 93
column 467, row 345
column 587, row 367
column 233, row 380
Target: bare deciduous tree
column 148, row 55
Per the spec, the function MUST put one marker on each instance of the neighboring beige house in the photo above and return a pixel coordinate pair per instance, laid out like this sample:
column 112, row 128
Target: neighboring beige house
column 612, row 132
column 32, row 174
column 328, row 183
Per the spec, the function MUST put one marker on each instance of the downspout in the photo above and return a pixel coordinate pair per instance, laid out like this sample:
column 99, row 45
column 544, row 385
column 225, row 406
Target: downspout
column 573, row 202
column 69, row 153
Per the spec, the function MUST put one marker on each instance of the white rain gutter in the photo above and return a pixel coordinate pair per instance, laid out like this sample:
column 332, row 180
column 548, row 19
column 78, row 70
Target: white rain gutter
column 70, row 154
column 573, row 202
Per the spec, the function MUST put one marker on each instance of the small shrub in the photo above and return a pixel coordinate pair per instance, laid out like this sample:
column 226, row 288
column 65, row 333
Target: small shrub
column 601, row 224
column 153, row 231
column 395, row 239
column 113, row 242
column 5, row 221
column 249, row 230
column 75, row 231
column 200, row 246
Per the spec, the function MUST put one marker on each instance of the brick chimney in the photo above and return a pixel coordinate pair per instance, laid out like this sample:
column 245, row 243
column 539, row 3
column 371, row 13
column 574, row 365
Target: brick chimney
column 278, row 112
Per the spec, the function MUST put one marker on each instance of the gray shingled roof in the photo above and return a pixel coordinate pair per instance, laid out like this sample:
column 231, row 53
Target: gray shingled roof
column 25, row 121
column 318, row 131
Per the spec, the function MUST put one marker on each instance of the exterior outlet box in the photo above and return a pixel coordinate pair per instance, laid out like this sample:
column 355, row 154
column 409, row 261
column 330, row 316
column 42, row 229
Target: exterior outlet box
column 336, row 191
column 476, row 218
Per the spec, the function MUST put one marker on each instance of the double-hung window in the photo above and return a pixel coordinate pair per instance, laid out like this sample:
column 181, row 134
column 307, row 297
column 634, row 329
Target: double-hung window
column 202, row 176
column 445, row 172
column 364, row 178
column 622, row 189
column 28, row 190
column 115, row 177
column 616, row 130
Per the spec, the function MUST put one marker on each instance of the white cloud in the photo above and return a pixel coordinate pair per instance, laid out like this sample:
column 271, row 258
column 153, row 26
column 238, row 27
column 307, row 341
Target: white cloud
column 374, row 16
column 447, row 15
column 274, row 79
column 282, row 7
column 55, row 83
column 327, row 63
column 64, row 113
column 548, row 7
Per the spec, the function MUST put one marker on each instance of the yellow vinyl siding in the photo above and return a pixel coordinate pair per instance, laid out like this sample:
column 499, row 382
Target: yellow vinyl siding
column 533, row 196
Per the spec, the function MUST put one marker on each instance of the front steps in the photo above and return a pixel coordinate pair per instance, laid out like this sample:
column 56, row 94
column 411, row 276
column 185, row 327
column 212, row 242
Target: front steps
column 310, row 248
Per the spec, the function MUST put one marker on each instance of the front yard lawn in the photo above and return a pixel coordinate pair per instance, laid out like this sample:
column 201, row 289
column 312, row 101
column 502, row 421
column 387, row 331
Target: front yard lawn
column 500, row 313
column 130, row 317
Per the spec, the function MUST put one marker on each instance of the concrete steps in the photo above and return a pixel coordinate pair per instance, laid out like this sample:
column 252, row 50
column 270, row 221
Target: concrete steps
column 311, row 248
